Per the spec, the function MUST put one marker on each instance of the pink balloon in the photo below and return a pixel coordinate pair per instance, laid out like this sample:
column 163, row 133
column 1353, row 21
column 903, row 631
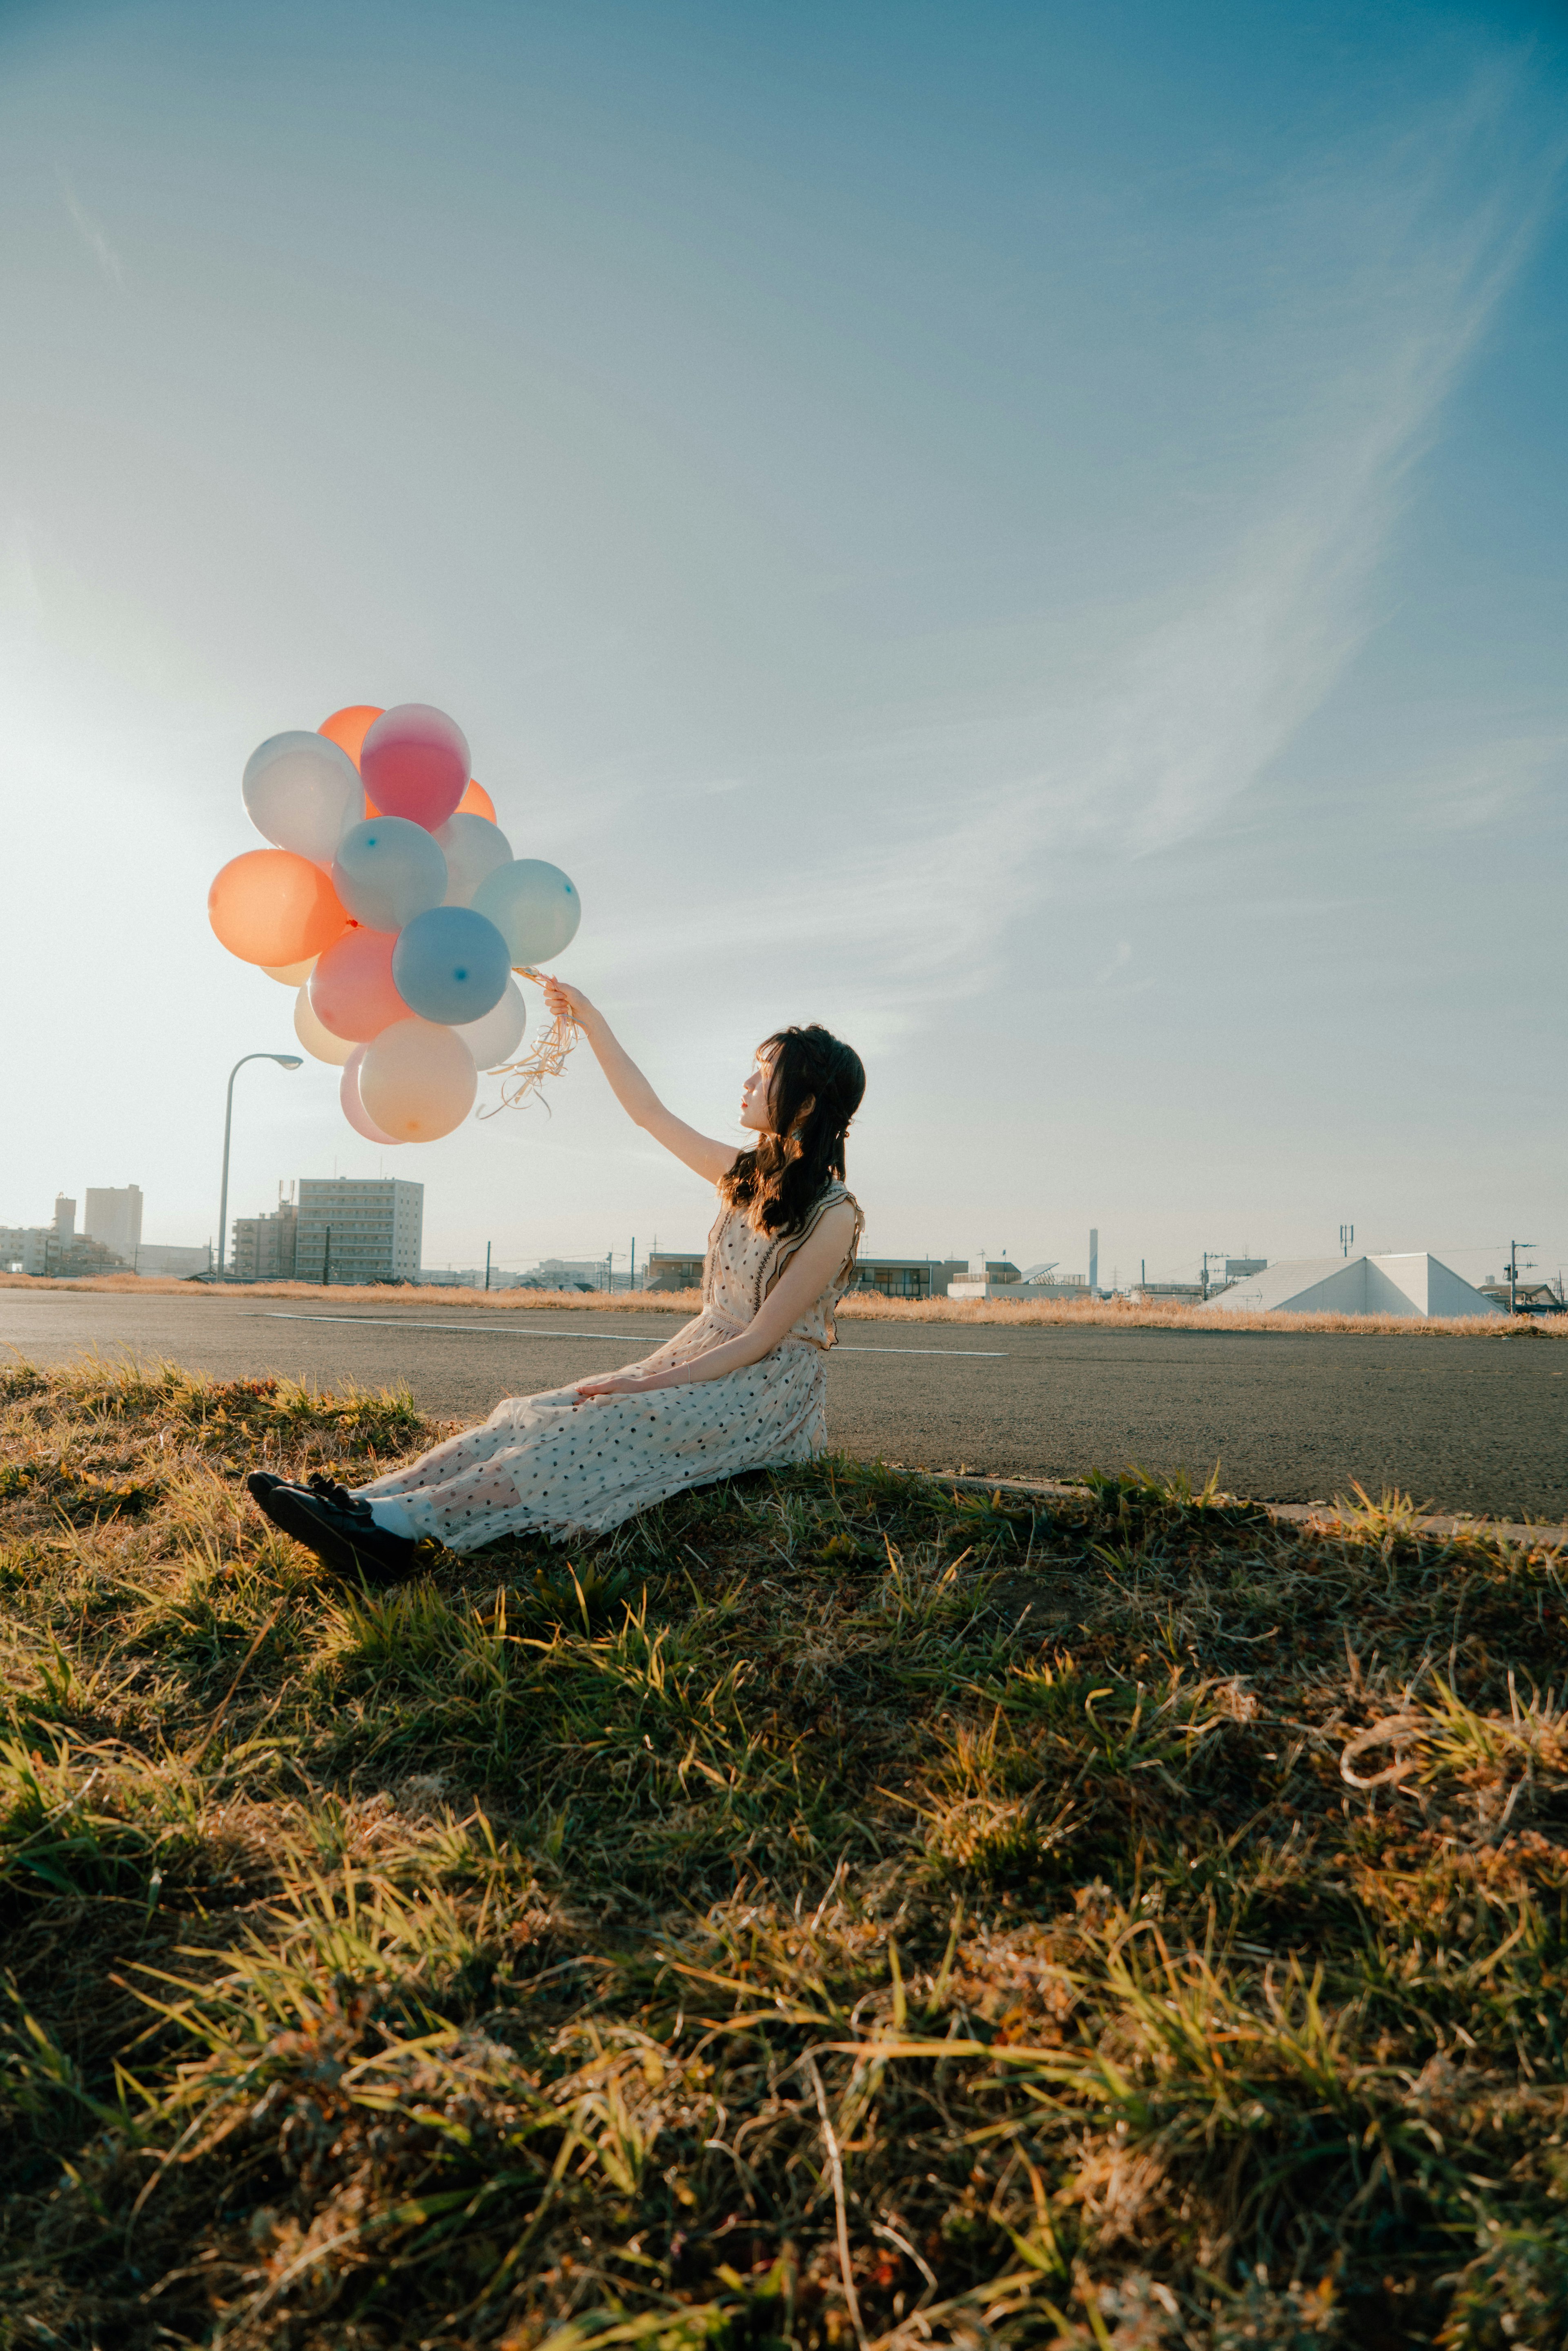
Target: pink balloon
column 414, row 764
column 351, row 990
column 354, row 1110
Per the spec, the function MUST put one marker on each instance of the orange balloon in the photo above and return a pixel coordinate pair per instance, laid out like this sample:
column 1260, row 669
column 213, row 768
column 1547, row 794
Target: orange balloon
column 348, row 727
column 271, row 907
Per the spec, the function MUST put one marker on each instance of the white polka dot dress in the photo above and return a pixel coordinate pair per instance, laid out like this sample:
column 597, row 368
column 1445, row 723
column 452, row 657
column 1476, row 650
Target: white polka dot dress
column 547, row 1464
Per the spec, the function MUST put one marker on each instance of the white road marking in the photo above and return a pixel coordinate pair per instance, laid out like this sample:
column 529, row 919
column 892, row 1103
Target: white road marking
column 841, row 1349
column 527, row 1331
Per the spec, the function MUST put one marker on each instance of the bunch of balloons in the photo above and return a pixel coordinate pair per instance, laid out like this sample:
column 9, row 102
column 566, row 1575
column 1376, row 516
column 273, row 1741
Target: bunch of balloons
column 390, row 900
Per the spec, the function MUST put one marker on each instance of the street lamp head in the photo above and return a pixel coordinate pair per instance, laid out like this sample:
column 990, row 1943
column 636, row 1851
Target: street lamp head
column 284, row 1061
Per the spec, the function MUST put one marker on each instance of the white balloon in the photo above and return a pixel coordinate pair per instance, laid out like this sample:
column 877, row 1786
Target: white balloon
column 494, row 1039
column 302, row 792
column 318, row 1042
column 473, row 847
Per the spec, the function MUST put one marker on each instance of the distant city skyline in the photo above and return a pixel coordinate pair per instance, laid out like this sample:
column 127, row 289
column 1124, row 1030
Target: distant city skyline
column 1035, row 537
column 1113, row 1275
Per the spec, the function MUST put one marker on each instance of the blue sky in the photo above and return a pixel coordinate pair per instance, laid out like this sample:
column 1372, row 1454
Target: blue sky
column 1034, row 535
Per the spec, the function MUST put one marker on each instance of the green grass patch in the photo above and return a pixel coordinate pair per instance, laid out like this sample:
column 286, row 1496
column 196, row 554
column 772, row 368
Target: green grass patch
column 834, row 1911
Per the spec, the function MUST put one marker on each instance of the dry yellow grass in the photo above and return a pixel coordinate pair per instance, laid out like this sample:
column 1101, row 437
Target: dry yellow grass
column 834, row 1912
column 1105, row 1313
column 1121, row 1316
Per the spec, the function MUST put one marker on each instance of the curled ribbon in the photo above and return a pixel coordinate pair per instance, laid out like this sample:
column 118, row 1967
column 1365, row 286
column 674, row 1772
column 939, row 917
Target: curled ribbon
column 547, row 1058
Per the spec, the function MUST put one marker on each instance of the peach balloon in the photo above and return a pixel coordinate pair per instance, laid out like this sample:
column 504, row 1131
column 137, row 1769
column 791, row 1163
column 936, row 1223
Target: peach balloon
column 348, row 727
column 351, row 991
column 353, row 1109
column 292, row 974
column 318, row 1042
column 269, row 906
column 417, row 1081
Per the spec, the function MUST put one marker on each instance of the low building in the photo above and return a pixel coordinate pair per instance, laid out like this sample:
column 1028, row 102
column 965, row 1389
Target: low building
column 569, row 1273
column 1045, row 1282
column 172, row 1258
column 264, row 1248
column 984, row 1277
column 57, row 1250
column 885, row 1276
column 918, row 1276
column 1529, row 1297
column 675, row 1268
column 1406, row 1282
column 555, row 1273
column 353, row 1229
column 23, row 1248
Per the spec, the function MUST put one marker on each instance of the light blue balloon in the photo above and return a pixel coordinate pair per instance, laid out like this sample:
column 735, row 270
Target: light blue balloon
column 533, row 905
column 387, row 871
column 451, row 964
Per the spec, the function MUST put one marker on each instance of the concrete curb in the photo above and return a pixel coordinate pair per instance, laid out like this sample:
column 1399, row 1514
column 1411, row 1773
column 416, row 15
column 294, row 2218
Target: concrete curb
column 1323, row 1514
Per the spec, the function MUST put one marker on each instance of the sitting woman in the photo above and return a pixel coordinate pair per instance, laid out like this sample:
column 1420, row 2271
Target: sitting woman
column 742, row 1386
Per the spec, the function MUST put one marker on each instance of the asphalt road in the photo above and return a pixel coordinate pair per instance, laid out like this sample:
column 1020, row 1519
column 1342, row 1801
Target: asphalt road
column 1464, row 1424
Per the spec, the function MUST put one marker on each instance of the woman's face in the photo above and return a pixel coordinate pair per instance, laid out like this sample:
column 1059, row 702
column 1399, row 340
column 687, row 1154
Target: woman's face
column 757, row 1095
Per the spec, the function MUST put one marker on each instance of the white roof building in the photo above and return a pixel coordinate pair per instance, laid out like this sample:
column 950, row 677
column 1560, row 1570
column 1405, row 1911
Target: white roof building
column 1410, row 1282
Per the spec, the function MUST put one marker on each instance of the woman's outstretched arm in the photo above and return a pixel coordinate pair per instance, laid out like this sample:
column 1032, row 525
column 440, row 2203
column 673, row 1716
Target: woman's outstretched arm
column 636, row 1097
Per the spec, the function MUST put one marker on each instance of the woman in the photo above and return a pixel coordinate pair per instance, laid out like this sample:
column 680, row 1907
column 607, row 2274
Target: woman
column 742, row 1385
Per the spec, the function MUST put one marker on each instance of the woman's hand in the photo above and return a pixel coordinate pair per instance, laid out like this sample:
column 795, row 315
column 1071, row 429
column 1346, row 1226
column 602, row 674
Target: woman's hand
column 621, row 1384
column 568, row 1003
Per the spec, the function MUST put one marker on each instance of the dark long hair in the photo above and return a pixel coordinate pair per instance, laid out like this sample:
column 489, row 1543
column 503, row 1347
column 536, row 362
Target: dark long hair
column 817, row 1084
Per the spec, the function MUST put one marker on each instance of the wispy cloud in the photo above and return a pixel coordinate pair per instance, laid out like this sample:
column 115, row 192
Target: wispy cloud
column 1141, row 728
column 1457, row 797
column 91, row 234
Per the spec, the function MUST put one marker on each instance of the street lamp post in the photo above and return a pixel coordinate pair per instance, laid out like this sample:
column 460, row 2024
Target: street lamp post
column 284, row 1061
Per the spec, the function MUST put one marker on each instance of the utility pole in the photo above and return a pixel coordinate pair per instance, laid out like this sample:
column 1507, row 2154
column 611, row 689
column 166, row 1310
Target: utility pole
column 487, row 1265
column 327, row 1261
column 1346, row 1235
column 609, row 1270
column 1513, row 1249
column 633, row 1261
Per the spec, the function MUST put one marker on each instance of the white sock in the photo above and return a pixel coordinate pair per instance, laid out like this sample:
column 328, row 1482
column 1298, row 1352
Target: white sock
column 391, row 1515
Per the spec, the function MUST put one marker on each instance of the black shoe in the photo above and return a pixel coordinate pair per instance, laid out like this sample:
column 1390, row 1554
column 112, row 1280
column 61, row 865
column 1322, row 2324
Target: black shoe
column 337, row 1497
column 351, row 1545
column 321, row 1489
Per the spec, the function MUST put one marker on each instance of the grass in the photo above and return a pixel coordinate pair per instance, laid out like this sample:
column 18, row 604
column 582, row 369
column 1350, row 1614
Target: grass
column 1107, row 1314
column 835, row 1911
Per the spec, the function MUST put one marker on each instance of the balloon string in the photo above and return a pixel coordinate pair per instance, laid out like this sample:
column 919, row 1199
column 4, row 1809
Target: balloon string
column 547, row 1058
